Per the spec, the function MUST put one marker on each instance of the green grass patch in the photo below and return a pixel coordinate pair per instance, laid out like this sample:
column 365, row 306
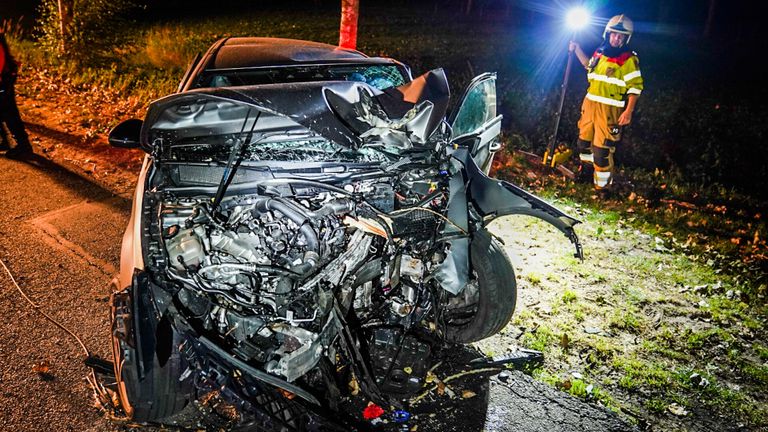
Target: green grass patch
column 542, row 339
column 698, row 340
column 758, row 373
column 533, row 278
column 628, row 320
column 568, row 297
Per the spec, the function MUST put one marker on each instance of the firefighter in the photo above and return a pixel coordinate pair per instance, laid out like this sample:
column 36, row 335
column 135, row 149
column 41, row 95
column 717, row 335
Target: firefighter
column 9, row 112
column 615, row 83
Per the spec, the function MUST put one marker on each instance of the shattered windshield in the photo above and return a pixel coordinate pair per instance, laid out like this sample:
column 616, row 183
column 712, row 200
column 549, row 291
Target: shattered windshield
column 204, row 129
column 209, row 149
column 377, row 76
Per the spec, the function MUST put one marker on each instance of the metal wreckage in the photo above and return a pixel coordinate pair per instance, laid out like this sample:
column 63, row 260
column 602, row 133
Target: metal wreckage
column 289, row 238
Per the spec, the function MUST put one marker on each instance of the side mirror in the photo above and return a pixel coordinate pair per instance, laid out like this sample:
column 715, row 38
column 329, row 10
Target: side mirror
column 127, row 134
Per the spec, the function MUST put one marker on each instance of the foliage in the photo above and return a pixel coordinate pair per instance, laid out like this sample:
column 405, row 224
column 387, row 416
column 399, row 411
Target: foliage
column 92, row 32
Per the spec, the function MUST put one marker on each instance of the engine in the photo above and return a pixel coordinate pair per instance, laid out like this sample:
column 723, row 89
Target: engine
column 259, row 274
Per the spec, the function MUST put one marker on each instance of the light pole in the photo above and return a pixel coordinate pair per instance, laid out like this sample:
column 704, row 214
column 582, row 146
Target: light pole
column 575, row 19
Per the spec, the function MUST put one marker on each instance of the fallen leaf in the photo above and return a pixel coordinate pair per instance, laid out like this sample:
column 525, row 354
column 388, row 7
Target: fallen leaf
column 466, row 394
column 677, row 410
column 440, row 388
column 286, row 394
column 430, row 377
column 564, row 341
column 43, row 367
column 354, row 387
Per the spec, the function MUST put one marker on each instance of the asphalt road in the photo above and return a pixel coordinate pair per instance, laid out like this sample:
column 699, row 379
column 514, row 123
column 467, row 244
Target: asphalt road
column 60, row 237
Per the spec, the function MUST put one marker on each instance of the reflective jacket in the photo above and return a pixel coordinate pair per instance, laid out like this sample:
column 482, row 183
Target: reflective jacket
column 612, row 78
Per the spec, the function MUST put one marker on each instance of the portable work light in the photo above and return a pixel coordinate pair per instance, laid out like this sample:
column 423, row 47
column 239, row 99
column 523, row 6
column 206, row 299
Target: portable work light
column 575, row 19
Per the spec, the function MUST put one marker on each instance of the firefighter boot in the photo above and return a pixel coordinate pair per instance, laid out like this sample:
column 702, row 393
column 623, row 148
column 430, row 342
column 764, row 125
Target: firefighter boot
column 585, row 171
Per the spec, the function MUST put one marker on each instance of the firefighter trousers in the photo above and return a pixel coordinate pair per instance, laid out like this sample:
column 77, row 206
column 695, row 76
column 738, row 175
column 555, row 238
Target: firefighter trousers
column 599, row 132
column 9, row 114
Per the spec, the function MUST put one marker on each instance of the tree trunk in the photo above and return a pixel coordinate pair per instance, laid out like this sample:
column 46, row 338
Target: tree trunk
column 65, row 18
column 348, row 29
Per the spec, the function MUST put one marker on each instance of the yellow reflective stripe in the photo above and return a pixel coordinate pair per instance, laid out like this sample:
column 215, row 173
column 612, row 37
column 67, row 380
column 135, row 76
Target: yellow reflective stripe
column 586, row 157
column 634, row 91
column 605, row 100
column 606, row 79
column 632, row 75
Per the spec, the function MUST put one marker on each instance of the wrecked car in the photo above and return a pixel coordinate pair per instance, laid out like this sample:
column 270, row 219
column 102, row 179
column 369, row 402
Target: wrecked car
column 307, row 217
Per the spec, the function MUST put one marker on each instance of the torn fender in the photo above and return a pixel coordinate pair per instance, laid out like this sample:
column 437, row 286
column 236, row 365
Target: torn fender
column 493, row 198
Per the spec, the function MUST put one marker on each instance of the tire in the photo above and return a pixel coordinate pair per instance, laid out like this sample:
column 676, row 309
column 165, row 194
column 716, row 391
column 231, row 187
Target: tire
column 487, row 310
column 149, row 368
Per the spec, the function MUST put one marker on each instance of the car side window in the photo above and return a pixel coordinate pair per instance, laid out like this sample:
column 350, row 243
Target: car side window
column 220, row 81
column 478, row 108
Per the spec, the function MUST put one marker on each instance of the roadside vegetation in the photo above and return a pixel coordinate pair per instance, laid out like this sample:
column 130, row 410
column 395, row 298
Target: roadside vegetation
column 664, row 321
column 665, row 318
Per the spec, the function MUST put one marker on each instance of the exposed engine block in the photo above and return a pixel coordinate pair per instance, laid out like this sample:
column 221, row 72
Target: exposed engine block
column 260, row 272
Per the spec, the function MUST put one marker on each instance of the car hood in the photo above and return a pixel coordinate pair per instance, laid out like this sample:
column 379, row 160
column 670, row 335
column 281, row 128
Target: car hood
column 351, row 114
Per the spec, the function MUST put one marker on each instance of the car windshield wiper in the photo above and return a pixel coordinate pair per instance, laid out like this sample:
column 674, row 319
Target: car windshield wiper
column 235, row 157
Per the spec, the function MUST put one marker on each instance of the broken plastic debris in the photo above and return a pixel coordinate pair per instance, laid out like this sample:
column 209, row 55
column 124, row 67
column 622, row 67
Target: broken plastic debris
column 401, row 416
column 408, row 370
column 504, row 376
column 592, row 330
column 372, row 411
column 577, row 375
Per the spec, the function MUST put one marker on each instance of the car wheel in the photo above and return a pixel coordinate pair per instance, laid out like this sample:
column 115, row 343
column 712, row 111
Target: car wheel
column 148, row 365
column 487, row 303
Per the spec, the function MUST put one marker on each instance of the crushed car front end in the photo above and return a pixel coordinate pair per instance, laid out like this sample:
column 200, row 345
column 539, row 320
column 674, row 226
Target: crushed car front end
column 287, row 238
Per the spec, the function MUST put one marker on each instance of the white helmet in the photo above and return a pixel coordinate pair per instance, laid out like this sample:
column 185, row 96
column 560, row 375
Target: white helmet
column 620, row 24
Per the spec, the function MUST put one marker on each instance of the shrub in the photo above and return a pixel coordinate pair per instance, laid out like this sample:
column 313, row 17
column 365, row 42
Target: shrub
column 91, row 32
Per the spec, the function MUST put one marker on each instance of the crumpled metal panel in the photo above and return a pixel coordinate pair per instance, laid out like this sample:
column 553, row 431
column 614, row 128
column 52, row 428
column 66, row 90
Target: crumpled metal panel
column 348, row 113
column 453, row 272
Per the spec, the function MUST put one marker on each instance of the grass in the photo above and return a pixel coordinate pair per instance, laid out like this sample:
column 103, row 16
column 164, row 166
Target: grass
column 663, row 312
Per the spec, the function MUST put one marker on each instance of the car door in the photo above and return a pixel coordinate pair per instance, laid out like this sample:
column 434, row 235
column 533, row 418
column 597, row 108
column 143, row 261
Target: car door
column 475, row 122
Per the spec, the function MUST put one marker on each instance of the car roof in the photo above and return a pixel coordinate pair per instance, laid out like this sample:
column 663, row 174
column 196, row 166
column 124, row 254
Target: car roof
column 237, row 53
column 242, row 52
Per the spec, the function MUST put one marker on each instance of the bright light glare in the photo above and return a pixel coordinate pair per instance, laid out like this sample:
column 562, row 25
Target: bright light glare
column 577, row 18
